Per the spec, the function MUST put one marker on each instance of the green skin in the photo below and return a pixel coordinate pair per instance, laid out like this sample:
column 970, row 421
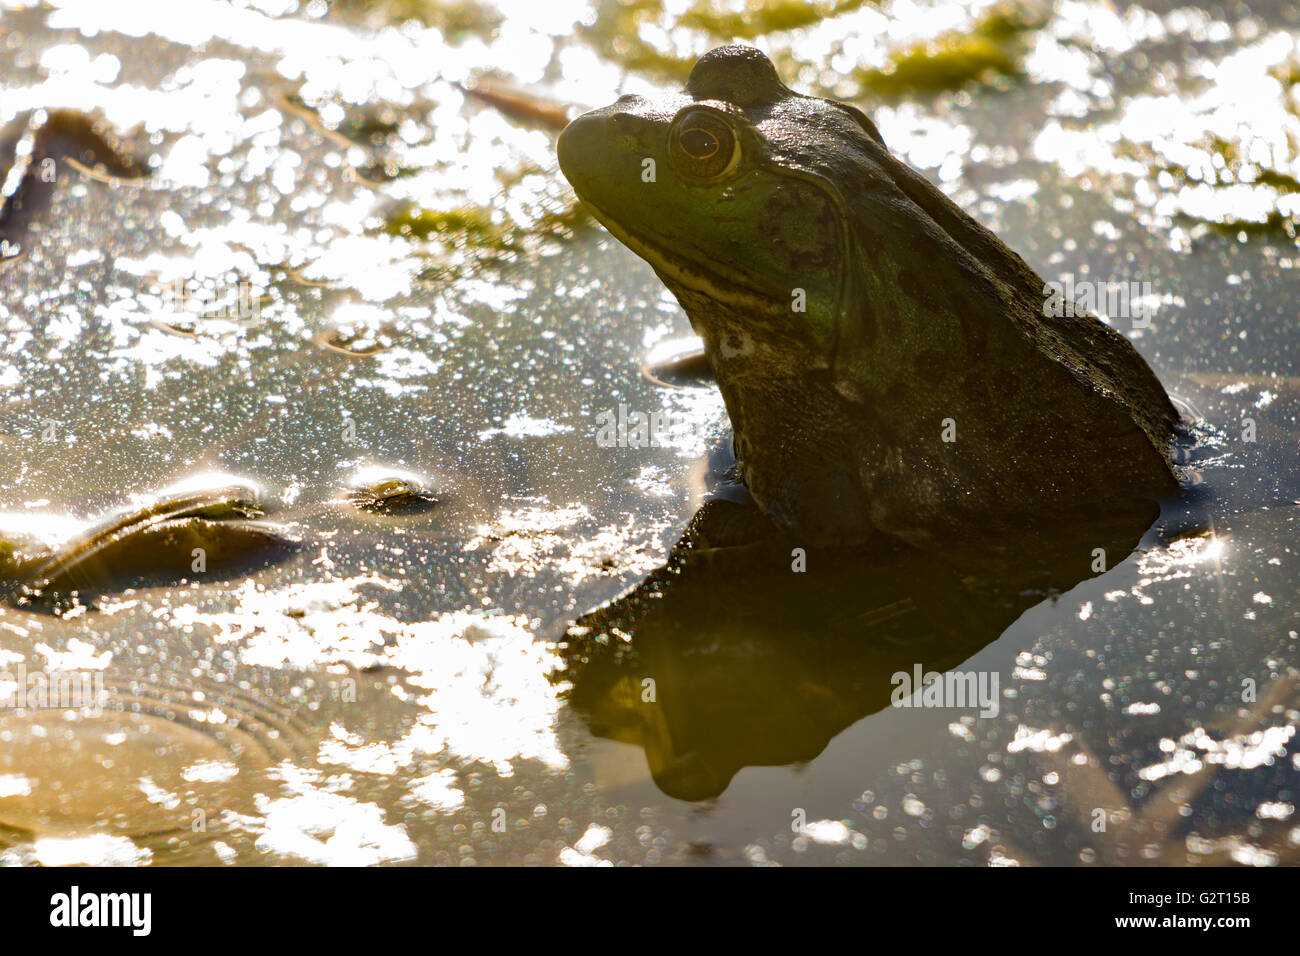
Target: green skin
column 917, row 323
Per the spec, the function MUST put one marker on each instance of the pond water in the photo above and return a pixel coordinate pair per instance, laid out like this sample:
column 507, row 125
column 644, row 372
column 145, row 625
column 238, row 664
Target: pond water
column 342, row 249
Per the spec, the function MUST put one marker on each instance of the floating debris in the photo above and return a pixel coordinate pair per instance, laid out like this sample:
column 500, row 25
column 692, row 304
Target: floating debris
column 356, row 342
column 519, row 104
column 185, row 531
column 384, row 491
column 679, row 363
column 994, row 48
column 32, row 149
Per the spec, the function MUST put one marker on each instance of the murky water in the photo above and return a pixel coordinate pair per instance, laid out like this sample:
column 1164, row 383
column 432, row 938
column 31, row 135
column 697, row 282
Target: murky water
column 353, row 275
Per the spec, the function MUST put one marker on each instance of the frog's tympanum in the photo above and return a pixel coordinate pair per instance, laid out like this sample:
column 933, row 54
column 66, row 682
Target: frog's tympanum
column 884, row 358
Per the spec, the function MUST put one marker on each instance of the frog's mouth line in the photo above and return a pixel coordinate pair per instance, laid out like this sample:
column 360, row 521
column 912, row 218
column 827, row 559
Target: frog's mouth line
column 709, row 282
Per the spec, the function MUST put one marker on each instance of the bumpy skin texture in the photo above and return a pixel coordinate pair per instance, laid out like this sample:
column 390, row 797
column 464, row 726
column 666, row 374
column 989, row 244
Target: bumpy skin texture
column 913, row 314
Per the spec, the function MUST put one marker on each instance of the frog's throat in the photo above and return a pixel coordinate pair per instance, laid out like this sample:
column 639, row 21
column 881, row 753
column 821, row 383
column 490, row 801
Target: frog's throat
column 718, row 284
column 715, row 283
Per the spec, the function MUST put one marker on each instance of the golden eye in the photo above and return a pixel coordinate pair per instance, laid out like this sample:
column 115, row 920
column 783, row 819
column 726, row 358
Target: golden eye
column 703, row 147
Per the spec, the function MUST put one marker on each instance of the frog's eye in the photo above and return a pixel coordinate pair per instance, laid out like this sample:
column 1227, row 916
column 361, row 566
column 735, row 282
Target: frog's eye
column 703, row 147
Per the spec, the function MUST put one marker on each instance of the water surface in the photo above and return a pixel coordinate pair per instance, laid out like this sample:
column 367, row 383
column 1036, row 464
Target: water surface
column 430, row 301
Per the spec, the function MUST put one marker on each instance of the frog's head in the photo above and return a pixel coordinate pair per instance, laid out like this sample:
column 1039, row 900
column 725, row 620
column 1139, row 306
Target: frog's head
column 787, row 215
column 728, row 189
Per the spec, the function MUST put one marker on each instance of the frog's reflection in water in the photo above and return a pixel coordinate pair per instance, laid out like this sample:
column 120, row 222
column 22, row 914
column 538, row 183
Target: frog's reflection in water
column 729, row 656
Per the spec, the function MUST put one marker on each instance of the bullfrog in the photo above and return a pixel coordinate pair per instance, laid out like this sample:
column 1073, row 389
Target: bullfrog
column 886, row 361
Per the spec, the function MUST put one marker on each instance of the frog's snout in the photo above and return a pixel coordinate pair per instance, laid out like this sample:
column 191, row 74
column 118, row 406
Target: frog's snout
column 604, row 153
column 577, row 141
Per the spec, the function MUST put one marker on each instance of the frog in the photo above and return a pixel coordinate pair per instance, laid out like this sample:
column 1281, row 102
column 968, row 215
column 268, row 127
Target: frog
column 887, row 362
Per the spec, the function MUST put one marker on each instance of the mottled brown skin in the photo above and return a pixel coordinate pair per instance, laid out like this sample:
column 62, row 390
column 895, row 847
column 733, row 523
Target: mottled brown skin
column 917, row 316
